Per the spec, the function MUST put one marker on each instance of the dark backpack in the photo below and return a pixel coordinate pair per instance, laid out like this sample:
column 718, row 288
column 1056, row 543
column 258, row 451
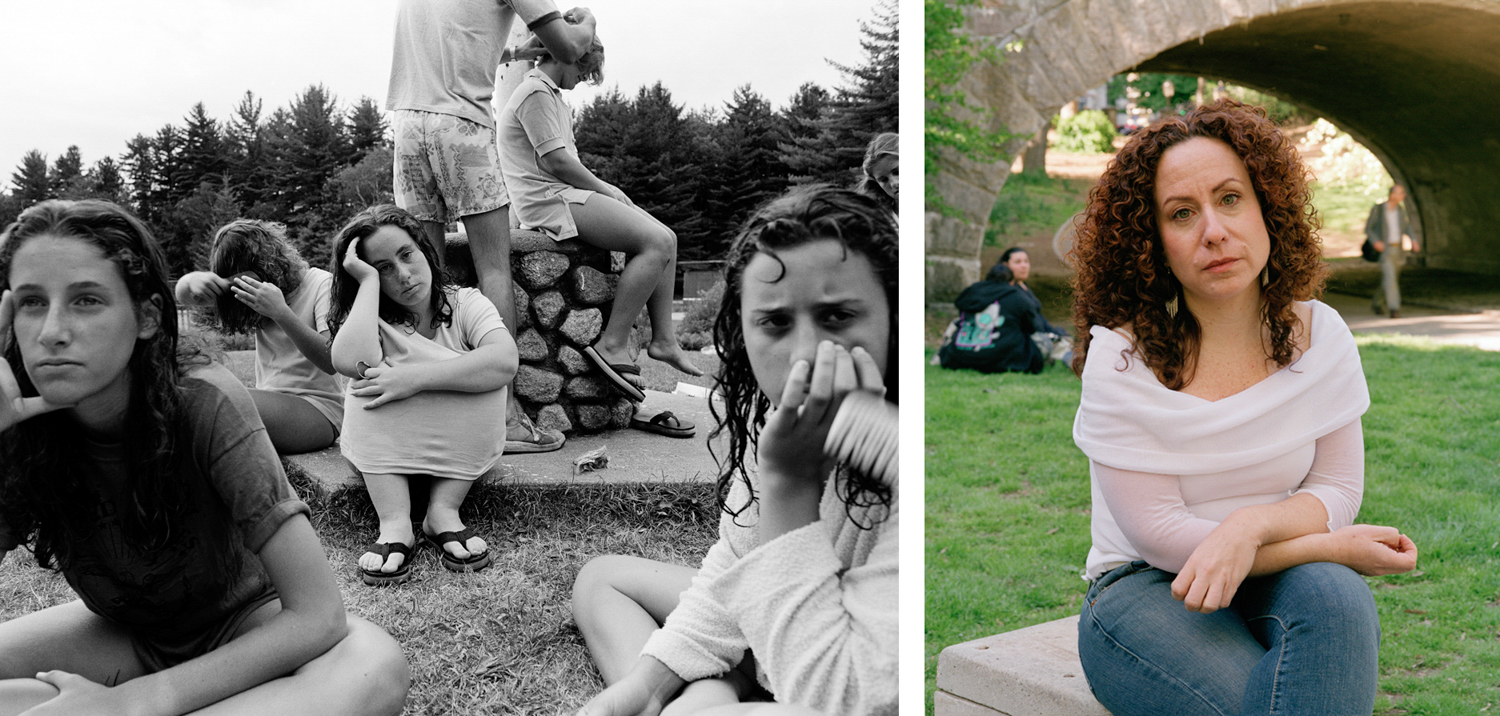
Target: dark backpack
column 1367, row 249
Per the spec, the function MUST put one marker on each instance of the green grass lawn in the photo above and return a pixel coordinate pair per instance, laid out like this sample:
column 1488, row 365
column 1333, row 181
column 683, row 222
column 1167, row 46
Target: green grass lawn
column 1008, row 514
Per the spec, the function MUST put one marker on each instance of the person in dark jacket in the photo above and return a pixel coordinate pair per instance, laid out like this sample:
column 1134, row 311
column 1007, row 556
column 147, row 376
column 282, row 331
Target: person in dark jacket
column 993, row 331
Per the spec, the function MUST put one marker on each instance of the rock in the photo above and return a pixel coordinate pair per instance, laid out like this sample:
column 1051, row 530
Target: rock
column 593, row 417
column 616, row 261
column 523, row 307
column 548, row 308
column 537, row 385
column 553, row 417
column 583, row 326
column 586, row 388
column 531, row 346
column 540, row 269
column 623, row 411
column 590, row 287
column 573, row 362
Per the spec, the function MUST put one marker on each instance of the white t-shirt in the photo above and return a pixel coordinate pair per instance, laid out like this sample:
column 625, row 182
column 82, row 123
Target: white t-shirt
column 279, row 364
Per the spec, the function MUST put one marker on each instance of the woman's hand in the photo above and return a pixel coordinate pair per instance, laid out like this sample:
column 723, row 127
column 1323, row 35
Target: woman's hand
column 13, row 407
column 791, row 443
column 386, row 384
column 263, row 297
column 1214, row 571
column 1372, row 550
column 643, row 692
column 77, row 697
column 356, row 266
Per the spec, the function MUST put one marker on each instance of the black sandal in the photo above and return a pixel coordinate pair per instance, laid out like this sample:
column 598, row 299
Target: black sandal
column 377, row 578
column 473, row 563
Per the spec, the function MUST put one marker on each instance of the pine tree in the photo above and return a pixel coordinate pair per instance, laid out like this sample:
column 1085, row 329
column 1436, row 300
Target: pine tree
column 752, row 169
column 105, row 181
column 66, row 177
column 367, row 127
column 31, row 179
column 204, row 157
column 245, row 141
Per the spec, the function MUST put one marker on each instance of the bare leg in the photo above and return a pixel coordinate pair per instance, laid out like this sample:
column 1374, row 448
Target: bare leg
column 437, row 234
column 294, row 425
column 67, row 637
column 366, row 673
column 489, row 244
column 442, row 515
column 648, row 276
column 392, row 499
column 751, row 709
column 18, row 695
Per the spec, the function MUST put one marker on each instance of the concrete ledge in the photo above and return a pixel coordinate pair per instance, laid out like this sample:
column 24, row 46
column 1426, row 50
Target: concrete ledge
column 1027, row 672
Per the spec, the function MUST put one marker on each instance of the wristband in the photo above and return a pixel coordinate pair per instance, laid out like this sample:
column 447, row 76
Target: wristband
column 549, row 17
column 360, row 368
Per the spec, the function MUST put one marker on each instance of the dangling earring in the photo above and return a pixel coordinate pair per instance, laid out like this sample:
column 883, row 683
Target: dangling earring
column 1265, row 276
column 1172, row 307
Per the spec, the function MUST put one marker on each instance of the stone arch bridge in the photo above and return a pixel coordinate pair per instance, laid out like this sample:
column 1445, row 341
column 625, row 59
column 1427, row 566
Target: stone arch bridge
column 1416, row 81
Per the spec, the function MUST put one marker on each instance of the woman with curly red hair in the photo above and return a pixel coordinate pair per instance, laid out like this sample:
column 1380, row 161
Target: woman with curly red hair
column 1220, row 413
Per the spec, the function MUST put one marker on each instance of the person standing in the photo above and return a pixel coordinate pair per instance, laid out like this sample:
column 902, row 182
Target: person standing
column 1385, row 228
column 447, row 163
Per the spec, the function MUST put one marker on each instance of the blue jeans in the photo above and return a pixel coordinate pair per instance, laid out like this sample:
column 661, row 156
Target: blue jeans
column 1302, row 641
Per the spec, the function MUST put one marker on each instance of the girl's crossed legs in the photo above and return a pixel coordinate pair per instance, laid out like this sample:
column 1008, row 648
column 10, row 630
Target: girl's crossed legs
column 1304, row 640
column 365, row 673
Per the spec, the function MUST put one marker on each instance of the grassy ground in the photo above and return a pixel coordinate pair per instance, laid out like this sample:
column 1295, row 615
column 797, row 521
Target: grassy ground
column 1008, row 514
column 501, row 640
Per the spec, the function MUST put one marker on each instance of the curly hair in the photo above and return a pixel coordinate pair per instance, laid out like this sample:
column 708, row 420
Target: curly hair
column 259, row 246
column 590, row 64
column 1122, row 275
column 43, row 468
column 345, row 288
column 886, row 144
column 801, row 216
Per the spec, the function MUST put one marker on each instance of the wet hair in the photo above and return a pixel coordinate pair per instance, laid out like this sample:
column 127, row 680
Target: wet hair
column 259, row 246
column 345, row 288
column 1000, row 273
column 1122, row 274
column 801, row 216
column 590, row 64
column 885, row 144
column 43, row 468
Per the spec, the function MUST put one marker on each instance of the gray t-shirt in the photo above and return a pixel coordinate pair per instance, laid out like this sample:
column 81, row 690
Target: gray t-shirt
column 446, row 53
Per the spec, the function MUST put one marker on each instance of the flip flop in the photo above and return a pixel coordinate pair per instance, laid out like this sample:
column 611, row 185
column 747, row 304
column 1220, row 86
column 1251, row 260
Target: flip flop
column 377, row 578
column 665, row 423
column 473, row 563
column 616, row 373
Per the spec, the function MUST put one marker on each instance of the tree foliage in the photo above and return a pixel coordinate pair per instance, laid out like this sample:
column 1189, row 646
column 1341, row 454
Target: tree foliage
column 953, row 123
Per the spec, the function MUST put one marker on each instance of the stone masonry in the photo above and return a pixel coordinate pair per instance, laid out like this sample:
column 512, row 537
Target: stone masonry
column 1409, row 80
column 563, row 291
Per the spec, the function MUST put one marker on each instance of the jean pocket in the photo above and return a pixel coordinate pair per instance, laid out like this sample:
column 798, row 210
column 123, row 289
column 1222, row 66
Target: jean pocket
column 1112, row 577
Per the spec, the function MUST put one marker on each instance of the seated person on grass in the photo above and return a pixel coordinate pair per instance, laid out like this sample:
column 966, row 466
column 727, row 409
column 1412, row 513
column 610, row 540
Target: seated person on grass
column 992, row 333
column 141, row 472
column 427, row 363
column 797, row 600
column 554, row 193
column 259, row 283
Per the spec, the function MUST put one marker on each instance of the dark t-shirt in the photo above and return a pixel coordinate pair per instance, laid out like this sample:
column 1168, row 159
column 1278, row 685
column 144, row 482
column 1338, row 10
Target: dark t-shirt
column 172, row 596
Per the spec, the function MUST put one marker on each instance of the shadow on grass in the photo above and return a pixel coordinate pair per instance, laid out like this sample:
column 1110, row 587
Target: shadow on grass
column 1007, row 517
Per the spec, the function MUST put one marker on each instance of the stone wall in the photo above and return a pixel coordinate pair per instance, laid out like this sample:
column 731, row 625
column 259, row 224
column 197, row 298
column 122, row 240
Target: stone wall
column 563, row 291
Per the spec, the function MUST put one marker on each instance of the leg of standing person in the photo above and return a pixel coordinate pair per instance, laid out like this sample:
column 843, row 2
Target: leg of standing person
column 1390, row 278
column 1319, row 623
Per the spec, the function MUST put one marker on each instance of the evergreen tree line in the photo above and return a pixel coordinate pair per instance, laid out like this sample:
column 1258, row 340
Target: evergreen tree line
column 313, row 164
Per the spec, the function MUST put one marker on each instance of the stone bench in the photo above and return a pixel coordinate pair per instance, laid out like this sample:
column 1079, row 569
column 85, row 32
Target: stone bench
column 1027, row 672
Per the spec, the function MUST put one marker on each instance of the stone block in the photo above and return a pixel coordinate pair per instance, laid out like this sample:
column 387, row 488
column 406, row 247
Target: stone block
column 540, row 269
column 586, row 387
column 547, row 309
column 523, row 307
column 593, row 417
column 946, row 278
column 554, row 417
column 582, row 326
column 525, row 241
column 623, row 411
column 590, row 286
column 1027, row 671
column 458, row 260
column 616, row 261
column 531, row 346
column 573, row 362
column 537, row 385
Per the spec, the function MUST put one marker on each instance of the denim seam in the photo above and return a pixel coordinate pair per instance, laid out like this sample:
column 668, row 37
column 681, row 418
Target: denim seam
column 1147, row 663
column 1280, row 655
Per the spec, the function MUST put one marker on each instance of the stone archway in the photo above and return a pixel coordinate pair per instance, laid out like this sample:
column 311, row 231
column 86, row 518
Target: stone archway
column 1417, row 82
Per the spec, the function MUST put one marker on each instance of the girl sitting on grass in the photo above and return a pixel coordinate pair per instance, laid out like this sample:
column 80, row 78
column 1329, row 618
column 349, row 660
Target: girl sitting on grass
column 803, row 576
column 428, row 361
column 141, row 472
column 553, row 192
column 259, row 283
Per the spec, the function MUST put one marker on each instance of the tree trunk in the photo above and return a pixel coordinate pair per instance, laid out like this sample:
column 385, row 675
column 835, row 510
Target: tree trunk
column 1034, row 161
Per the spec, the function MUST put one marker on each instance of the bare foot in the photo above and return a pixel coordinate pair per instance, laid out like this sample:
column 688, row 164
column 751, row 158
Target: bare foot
column 436, row 524
column 671, row 354
column 372, row 562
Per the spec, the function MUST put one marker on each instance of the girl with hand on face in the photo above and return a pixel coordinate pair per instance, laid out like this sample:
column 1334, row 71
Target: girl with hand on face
column 142, row 472
column 1220, row 413
column 797, row 600
column 427, row 362
column 259, row 283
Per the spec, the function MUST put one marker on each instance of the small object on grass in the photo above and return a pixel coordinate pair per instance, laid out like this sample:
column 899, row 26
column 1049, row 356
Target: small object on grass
column 590, row 461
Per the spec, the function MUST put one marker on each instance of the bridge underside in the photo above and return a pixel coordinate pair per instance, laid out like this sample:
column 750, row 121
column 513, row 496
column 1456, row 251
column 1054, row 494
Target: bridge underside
column 1418, row 85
